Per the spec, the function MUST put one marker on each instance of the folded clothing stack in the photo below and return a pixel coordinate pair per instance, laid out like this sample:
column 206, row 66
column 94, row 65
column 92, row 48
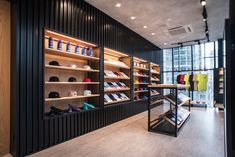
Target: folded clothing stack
column 115, row 97
column 114, row 74
column 114, row 85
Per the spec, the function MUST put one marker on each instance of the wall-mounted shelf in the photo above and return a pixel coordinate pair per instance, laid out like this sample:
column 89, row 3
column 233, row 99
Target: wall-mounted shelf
column 118, row 78
column 114, row 102
column 141, row 76
column 66, row 57
column 69, row 98
column 119, row 64
column 139, row 68
column 116, row 90
column 72, row 83
column 70, row 68
column 69, row 54
column 141, row 91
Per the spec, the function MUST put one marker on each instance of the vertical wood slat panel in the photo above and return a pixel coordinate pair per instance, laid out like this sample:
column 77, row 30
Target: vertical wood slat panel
column 71, row 17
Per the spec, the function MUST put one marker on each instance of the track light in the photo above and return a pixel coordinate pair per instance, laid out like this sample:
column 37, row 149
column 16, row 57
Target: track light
column 204, row 14
column 203, row 2
column 198, row 42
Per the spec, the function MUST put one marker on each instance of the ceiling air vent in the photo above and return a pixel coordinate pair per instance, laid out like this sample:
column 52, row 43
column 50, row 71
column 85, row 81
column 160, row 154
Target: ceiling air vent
column 180, row 30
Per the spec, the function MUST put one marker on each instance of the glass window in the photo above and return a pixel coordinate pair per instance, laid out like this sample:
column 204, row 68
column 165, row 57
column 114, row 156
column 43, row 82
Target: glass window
column 176, row 59
column 167, row 60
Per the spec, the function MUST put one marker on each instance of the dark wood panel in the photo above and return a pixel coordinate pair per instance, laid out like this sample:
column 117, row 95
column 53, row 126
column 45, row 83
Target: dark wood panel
column 79, row 19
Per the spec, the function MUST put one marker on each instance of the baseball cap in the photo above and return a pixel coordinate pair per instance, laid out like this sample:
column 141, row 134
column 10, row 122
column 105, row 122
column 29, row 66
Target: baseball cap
column 86, row 67
column 54, row 79
column 55, row 63
column 87, row 80
column 54, row 95
column 72, row 79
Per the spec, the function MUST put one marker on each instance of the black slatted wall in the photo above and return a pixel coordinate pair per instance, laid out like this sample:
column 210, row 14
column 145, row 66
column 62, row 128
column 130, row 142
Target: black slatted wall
column 30, row 131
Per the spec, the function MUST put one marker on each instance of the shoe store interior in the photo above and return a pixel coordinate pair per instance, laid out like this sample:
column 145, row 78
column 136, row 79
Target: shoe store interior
column 111, row 78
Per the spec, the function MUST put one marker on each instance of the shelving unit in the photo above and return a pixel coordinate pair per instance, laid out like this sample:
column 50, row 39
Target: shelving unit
column 117, row 72
column 141, row 79
column 155, row 76
column 219, row 89
column 76, row 58
column 171, row 121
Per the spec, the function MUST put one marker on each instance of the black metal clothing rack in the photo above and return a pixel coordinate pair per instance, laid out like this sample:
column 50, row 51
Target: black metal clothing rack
column 162, row 124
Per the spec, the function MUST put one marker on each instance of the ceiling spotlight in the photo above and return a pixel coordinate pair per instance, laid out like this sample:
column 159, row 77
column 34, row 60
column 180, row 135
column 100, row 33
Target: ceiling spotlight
column 198, row 42
column 203, row 2
column 133, row 17
column 145, row 26
column 206, row 30
column 118, row 5
column 181, row 44
column 153, row 33
column 165, row 43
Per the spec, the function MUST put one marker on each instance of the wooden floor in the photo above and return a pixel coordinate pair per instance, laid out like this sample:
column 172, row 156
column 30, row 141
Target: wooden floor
column 202, row 136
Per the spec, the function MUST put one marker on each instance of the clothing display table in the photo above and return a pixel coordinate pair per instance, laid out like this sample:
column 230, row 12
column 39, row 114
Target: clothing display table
column 171, row 121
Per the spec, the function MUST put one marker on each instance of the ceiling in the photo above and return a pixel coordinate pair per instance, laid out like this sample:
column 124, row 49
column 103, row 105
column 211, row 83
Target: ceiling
column 161, row 15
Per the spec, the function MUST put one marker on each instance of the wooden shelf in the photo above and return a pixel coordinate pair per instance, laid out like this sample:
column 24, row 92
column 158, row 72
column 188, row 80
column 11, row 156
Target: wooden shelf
column 135, row 67
column 141, row 91
column 115, row 65
column 140, row 83
column 141, row 76
column 69, row 68
column 116, row 90
column 154, row 80
column 72, row 83
column 118, row 78
column 113, row 102
column 158, row 73
column 70, row 98
column 178, row 86
column 69, row 54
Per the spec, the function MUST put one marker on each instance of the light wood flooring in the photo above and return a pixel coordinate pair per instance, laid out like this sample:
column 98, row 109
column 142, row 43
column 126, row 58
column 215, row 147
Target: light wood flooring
column 202, row 136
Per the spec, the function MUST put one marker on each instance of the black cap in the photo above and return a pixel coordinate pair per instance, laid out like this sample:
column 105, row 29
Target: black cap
column 55, row 63
column 54, row 95
column 54, row 79
column 72, row 79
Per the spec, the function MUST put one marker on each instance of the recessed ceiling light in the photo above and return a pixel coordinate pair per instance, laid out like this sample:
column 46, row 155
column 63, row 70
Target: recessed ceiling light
column 145, row 26
column 133, row 17
column 203, row 2
column 118, row 5
column 165, row 43
column 153, row 33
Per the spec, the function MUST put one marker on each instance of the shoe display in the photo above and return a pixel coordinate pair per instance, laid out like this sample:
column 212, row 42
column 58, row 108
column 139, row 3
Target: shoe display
column 107, row 98
column 73, row 108
column 88, row 106
column 56, row 111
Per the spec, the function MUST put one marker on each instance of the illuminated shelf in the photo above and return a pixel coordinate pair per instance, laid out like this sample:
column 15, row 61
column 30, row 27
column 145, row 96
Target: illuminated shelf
column 69, row 68
column 72, row 83
column 119, row 78
column 70, row 98
column 141, row 91
column 116, row 90
column 113, row 102
column 141, row 76
column 116, row 65
column 69, row 54
column 139, row 68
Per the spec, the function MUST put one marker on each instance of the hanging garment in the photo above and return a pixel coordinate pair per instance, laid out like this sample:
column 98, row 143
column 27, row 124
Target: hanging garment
column 200, row 82
column 178, row 79
column 205, row 80
column 191, row 82
column 186, row 79
column 195, row 82
column 182, row 79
